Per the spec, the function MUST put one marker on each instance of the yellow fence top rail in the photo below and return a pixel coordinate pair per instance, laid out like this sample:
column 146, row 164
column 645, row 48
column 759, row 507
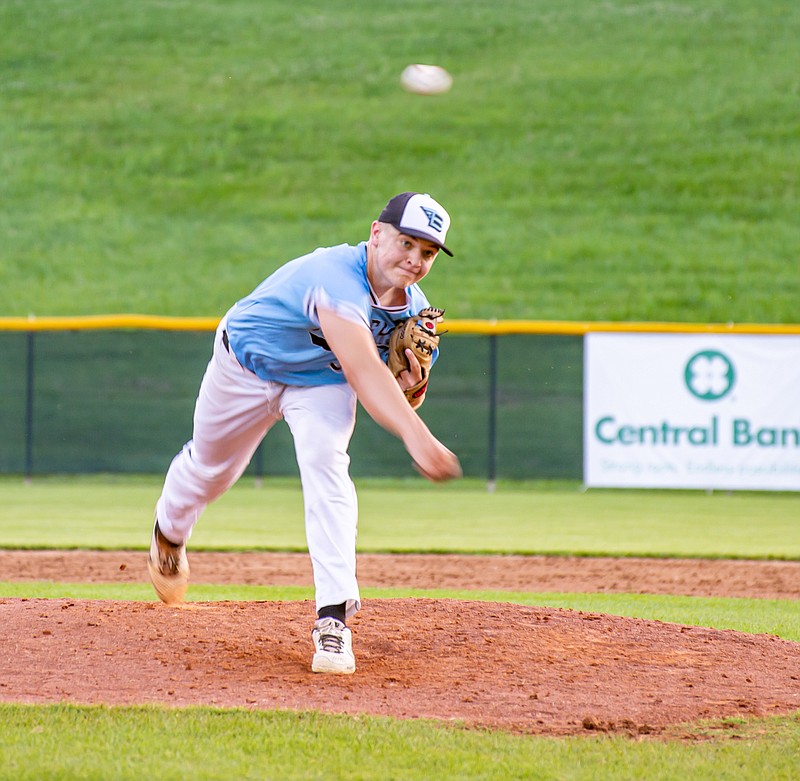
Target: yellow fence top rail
column 499, row 327
column 580, row 327
column 108, row 322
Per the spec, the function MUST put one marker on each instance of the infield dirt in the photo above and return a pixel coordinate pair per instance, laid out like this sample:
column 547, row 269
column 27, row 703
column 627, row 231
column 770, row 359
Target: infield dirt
column 487, row 664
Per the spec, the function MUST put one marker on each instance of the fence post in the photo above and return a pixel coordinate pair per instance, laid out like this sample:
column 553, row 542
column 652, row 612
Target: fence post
column 492, row 444
column 29, row 409
column 259, row 464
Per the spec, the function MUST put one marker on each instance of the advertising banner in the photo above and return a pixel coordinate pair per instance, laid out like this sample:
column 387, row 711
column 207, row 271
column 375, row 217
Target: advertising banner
column 716, row 411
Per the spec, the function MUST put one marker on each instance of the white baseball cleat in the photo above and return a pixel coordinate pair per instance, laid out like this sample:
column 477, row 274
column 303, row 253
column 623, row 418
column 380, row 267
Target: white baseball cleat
column 168, row 568
column 334, row 648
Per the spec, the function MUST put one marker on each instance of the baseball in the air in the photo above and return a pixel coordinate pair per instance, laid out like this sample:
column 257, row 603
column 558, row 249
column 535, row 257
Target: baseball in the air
column 426, row 79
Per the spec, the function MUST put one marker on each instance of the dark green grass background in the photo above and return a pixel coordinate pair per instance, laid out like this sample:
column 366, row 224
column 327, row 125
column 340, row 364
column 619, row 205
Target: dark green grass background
column 616, row 160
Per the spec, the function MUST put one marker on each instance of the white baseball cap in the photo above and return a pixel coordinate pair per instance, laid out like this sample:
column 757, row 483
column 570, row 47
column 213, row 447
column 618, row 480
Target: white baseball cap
column 419, row 215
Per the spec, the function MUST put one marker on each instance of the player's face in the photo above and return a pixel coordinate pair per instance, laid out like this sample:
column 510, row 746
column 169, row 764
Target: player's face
column 398, row 260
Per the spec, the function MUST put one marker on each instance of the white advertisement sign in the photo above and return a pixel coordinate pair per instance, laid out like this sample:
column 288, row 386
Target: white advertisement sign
column 717, row 411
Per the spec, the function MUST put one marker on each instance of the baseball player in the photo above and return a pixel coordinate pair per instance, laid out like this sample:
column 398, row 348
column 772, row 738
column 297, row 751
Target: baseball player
column 307, row 343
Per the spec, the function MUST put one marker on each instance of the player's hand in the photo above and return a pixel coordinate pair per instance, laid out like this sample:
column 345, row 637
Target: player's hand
column 435, row 462
column 409, row 378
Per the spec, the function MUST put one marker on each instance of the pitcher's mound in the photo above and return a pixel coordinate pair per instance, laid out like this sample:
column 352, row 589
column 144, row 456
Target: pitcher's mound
column 527, row 669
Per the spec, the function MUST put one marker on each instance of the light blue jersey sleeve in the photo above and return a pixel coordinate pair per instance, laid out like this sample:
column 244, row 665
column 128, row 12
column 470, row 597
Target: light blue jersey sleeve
column 275, row 333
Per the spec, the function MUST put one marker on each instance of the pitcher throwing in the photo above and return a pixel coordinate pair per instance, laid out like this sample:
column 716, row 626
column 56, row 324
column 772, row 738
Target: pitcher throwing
column 308, row 342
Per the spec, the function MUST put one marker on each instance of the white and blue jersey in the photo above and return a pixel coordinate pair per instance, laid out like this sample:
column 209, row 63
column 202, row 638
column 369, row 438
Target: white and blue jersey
column 275, row 333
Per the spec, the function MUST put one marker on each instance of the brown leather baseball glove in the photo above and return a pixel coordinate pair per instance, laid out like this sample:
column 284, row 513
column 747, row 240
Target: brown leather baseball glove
column 417, row 333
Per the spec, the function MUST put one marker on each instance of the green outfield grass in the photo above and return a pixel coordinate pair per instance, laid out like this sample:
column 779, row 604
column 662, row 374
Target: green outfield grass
column 206, row 743
column 116, row 512
column 616, row 160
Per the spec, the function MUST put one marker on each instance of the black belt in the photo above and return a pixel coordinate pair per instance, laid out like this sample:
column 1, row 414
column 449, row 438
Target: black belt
column 225, row 341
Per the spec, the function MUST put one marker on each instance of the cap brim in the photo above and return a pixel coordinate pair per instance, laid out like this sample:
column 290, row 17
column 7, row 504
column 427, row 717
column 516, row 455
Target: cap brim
column 420, row 235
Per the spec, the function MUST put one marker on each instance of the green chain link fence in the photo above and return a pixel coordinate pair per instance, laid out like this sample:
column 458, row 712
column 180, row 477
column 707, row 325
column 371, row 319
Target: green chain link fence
column 121, row 400
column 116, row 393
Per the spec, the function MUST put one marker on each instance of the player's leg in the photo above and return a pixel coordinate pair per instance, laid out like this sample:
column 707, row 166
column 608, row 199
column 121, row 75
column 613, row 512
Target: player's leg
column 321, row 419
column 234, row 410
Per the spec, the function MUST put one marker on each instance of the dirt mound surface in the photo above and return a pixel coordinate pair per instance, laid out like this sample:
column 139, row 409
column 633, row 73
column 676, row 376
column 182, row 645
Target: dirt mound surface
column 489, row 664
column 691, row 577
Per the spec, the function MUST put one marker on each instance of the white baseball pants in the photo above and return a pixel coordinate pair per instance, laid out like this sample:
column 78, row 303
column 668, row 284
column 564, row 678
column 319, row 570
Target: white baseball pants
column 234, row 411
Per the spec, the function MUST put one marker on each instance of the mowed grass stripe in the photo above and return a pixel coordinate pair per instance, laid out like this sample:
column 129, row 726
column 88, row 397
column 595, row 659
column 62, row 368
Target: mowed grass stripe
column 757, row 616
column 115, row 512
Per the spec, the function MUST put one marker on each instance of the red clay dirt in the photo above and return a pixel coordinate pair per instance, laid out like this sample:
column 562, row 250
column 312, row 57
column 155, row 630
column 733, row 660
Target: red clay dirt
column 533, row 670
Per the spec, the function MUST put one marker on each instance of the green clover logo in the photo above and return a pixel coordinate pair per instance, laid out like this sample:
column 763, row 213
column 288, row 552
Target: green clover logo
column 709, row 375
